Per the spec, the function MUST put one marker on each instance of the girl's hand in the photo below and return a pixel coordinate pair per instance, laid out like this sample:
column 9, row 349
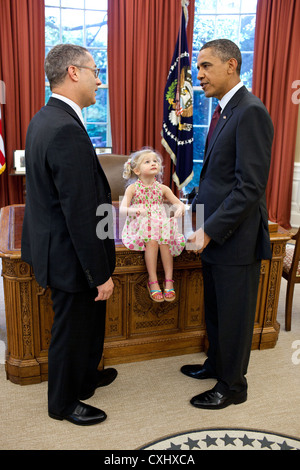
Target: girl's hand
column 141, row 212
column 180, row 210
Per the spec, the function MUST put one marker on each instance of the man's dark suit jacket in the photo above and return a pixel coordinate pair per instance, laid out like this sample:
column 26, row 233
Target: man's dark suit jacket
column 64, row 186
column 233, row 181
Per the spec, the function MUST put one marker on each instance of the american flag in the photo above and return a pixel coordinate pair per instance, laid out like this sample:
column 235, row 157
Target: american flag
column 2, row 152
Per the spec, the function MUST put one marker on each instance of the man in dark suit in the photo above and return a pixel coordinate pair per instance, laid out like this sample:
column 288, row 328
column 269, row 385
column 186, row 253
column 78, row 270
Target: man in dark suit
column 65, row 185
column 235, row 237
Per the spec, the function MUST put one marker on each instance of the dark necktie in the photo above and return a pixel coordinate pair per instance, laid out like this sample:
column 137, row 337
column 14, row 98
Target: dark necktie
column 213, row 123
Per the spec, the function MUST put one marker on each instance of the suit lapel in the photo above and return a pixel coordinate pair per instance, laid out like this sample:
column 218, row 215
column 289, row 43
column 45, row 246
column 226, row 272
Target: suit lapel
column 224, row 119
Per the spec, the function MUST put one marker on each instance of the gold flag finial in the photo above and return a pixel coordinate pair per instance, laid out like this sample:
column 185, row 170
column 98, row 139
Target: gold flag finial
column 185, row 4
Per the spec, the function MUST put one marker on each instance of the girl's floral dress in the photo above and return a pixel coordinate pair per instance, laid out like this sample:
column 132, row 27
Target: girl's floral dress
column 157, row 226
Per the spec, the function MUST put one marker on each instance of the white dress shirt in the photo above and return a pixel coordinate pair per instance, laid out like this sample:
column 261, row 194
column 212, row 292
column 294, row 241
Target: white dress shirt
column 226, row 98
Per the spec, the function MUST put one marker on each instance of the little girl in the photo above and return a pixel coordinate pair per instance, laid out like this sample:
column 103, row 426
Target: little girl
column 147, row 227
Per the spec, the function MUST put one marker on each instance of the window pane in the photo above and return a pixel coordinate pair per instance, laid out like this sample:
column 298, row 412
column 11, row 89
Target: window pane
column 47, row 49
column 47, row 94
column 52, row 26
column 247, row 33
column 72, row 3
column 195, row 181
column 228, row 6
column 200, row 134
column 201, row 109
column 98, row 112
column 83, row 22
column 96, row 4
column 100, row 58
column 228, row 27
column 194, row 67
column 98, row 134
column 247, row 69
column 231, row 19
column 52, row 3
column 248, row 6
column 204, row 30
column 72, row 26
column 96, row 29
column 205, row 6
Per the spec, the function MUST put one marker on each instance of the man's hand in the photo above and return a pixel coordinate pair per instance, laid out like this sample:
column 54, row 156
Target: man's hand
column 198, row 240
column 105, row 290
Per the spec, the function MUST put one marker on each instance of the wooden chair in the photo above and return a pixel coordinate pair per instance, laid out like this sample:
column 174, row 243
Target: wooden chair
column 291, row 272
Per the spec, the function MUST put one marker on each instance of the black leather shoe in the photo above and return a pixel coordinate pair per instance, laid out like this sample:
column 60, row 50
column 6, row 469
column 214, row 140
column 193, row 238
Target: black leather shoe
column 214, row 400
column 83, row 415
column 105, row 377
column 197, row 371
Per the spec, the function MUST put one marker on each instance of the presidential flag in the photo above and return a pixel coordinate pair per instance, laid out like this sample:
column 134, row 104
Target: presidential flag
column 2, row 153
column 177, row 130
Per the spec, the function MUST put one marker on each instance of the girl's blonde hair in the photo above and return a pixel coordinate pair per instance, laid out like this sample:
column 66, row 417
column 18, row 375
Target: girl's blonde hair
column 136, row 159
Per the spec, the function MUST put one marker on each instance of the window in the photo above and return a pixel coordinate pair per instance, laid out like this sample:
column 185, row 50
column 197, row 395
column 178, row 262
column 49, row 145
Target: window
column 83, row 22
column 215, row 19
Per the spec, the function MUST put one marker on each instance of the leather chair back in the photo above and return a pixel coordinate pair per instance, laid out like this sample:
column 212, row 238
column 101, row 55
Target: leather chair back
column 113, row 168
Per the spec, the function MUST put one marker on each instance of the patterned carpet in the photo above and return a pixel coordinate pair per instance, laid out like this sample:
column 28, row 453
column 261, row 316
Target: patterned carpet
column 225, row 439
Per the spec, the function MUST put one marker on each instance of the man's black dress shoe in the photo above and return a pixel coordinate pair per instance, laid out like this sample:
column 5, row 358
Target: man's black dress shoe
column 105, row 377
column 83, row 415
column 214, row 400
column 197, row 371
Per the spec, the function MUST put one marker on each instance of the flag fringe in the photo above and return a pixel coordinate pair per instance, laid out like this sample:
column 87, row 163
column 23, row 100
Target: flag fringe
column 185, row 4
column 174, row 160
column 169, row 150
column 177, row 182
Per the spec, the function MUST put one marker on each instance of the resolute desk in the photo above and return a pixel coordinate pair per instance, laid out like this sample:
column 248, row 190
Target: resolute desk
column 136, row 328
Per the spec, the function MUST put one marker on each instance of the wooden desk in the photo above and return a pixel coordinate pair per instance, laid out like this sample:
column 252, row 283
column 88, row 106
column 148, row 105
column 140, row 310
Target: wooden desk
column 136, row 328
column 13, row 172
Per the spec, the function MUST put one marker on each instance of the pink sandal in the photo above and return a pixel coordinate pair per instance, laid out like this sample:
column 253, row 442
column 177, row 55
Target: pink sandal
column 155, row 292
column 169, row 294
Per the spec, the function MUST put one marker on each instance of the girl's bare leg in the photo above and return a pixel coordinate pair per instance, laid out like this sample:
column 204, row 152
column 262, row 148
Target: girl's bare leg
column 167, row 261
column 151, row 254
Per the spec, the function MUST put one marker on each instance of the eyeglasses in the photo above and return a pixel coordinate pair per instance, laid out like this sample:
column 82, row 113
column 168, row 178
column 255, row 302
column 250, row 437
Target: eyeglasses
column 95, row 70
